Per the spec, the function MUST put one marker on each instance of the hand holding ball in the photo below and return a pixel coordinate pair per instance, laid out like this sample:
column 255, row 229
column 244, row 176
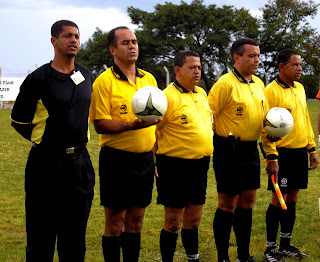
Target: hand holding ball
column 149, row 103
column 278, row 122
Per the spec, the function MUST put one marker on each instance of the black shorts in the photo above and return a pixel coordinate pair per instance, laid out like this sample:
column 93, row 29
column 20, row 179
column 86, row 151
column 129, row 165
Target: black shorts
column 293, row 169
column 236, row 165
column 126, row 178
column 181, row 181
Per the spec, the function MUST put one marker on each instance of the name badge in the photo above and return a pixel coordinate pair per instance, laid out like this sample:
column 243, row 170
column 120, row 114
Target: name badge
column 77, row 77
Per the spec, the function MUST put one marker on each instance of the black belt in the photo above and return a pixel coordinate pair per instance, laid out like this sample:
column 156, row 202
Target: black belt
column 222, row 139
column 68, row 150
column 72, row 150
column 233, row 145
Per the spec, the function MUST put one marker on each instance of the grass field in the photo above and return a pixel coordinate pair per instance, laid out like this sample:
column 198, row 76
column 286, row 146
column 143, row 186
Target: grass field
column 13, row 156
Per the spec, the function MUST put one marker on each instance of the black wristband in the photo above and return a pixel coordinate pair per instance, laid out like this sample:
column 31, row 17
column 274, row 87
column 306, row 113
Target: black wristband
column 272, row 157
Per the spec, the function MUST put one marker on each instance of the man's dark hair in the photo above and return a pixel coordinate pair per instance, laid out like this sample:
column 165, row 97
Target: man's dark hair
column 285, row 54
column 57, row 27
column 111, row 38
column 238, row 46
column 180, row 57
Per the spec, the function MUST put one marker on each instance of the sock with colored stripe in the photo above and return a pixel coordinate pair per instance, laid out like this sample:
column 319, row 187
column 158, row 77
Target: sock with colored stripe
column 272, row 223
column 190, row 243
column 242, row 224
column 168, row 241
column 222, row 225
column 287, row 220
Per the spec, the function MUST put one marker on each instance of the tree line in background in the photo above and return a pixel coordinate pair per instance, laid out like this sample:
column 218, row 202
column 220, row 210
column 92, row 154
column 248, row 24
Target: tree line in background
column 210, row 31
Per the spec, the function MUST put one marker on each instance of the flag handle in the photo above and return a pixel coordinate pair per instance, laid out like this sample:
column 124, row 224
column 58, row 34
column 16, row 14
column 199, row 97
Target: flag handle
column 278, row 192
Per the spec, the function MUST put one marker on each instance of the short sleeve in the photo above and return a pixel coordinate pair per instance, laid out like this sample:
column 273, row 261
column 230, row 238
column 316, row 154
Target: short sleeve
column 100, row 101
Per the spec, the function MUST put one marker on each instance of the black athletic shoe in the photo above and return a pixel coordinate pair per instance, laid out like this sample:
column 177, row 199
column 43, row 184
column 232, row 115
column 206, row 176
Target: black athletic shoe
column 272, row 255
column 292, row 251
column 249, row 259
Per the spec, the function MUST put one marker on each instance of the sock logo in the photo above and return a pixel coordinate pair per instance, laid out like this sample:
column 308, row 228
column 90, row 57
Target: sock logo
column 285, row 235
column 193, row 257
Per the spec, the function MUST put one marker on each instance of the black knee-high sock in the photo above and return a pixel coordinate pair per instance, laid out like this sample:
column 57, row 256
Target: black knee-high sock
column 242, row 224
column 222, row 225
column 190, row 243
column 168, row 243
column 287, row 220
column 111, row 249
column 272, row 222
column 130, row 243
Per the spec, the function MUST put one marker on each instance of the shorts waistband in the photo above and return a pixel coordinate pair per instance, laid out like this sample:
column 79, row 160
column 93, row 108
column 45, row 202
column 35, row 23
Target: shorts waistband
column 205, row 158
column 118, row 151
column 222, row 139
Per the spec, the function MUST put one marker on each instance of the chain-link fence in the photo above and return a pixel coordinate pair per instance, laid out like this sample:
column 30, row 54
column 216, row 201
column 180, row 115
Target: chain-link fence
column 14, row 72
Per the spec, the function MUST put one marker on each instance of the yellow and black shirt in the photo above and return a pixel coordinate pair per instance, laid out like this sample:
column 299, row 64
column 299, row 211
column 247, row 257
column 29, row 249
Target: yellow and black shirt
column 57, row 107
column 293, row 98
column 237, row 106
column 186, row 130
column 111, row 99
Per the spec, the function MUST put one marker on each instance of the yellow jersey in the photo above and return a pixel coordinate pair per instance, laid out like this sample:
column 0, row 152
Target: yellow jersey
column 293, row 98
column 111, row 99
column 237, row 106
column 186, row 130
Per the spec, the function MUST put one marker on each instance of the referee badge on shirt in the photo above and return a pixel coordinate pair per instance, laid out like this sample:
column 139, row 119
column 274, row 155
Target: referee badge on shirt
column 239, row 111
column 77, row 77
column 123, row 110
column 184, row 119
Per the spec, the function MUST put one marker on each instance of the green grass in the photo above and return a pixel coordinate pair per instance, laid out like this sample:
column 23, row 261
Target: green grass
column 13, row 156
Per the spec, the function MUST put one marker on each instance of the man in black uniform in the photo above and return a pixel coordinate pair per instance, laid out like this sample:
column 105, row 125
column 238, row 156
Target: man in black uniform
column 52, row 112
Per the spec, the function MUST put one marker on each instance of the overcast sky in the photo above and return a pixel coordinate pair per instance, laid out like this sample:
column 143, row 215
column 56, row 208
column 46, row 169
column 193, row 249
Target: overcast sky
column 25, row 25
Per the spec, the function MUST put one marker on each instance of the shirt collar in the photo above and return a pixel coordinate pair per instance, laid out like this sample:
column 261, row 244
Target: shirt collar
column 240, row 77
column 120, row 75
column 283, row 84
column 60, row 75
column 182, row 89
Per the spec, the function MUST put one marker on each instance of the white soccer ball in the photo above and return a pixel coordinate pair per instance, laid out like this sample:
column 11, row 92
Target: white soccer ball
column 278, row 122
column 149, row 103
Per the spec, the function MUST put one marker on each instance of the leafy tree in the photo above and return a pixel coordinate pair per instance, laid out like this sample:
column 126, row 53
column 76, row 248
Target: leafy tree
column 94, row 53
column 206, row 30
column 311, row 84
column 210, row 30
column 311, row 77
column 284, row 25
column 311, row 54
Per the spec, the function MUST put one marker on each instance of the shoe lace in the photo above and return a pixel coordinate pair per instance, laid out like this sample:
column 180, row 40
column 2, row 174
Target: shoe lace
column 275, row 252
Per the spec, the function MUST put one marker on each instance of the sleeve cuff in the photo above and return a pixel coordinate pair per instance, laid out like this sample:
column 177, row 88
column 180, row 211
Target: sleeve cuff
column 312, row 150
column 21, row 123
column 272, row 157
